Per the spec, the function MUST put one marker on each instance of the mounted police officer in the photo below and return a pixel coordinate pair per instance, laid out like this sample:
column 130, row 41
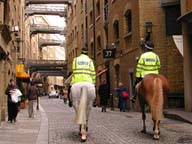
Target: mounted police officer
column 83, row 89
column 148, row 62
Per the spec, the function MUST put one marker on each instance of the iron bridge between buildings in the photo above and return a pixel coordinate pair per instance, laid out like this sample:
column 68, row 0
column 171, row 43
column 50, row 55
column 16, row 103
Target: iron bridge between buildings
column 48, row 67
column 46, row 10
column 47, row 29
column 50, row 42
column 28, row 2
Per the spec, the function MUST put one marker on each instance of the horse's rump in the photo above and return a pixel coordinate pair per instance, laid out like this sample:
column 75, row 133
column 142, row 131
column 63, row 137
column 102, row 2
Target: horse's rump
column 153, row 89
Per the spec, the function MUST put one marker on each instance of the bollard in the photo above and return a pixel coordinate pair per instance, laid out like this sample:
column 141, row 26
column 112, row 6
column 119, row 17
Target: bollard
column 111, row 100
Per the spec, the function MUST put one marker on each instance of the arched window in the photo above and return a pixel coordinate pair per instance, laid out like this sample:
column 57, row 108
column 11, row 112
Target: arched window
column 116, row 29
column 128, row 20
column 98, row 42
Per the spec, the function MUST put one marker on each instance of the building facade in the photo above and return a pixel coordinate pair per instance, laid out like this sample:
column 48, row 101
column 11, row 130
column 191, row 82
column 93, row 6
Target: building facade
column 11, row 37
column 121, row 25
column 185, row 19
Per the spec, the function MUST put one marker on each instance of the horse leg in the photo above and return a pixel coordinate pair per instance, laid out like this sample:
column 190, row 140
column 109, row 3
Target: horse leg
column 83, row 132
column 143, row 118
column 156, row 135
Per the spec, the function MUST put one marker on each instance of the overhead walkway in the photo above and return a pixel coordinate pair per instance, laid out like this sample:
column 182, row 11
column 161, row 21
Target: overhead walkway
column 47, row 29
column 48, row 67
column 50, row 42
column 45, row 10
column 27, row 2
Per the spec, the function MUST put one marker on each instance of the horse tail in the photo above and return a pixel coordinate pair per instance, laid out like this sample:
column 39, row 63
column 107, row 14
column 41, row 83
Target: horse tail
column 157, row 100
column 81, row 117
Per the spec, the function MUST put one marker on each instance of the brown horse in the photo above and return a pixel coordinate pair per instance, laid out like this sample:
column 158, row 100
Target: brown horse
column 152, row 91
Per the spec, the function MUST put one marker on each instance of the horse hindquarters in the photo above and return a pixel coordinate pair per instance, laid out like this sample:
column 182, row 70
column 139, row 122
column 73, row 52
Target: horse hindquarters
column 157, row 106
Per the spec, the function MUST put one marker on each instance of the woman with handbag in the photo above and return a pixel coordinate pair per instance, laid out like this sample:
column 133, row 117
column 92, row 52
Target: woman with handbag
column 123, row 96
column 12, row 106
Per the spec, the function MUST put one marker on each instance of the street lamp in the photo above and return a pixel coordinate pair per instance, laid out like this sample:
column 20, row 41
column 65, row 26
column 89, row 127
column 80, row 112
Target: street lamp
column 148, row 26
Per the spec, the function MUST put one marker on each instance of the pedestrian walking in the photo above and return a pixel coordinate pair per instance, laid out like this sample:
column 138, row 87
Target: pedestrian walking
column 148, row 62
column 123, row 96
column 65, row 93
column 12, row 106
column 104, row 95
column 32, row 97
column 83, row 90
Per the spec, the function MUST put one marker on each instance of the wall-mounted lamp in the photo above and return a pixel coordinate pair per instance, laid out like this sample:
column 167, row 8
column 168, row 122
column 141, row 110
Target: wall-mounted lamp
column 113, row 46
column 148, row 26
column 4, row 56
column 17, row 40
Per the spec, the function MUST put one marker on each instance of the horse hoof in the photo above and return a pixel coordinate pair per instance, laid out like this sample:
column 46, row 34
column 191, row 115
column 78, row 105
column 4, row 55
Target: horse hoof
column 156, row 137
column 143, row 131
column 83, row 138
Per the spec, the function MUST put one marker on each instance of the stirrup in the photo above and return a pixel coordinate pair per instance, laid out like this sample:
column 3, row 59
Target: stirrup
column 133, row 99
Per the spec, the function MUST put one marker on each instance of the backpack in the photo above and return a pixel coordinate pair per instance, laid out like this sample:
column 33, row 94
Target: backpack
column 125, row 94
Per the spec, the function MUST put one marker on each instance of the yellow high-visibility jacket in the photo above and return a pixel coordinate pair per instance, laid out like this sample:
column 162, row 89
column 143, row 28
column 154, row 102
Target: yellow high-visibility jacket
column 83, row 70
column 149, row 62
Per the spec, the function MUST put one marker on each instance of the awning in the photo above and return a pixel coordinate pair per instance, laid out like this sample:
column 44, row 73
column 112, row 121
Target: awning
column 186, row 18
column 102, row 72
column 20, row 72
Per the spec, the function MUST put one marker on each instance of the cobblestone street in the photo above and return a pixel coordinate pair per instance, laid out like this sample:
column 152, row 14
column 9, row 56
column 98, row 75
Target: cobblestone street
column 110, row 128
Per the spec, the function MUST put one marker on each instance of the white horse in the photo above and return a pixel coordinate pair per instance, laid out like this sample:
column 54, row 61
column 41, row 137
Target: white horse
column 82, row 96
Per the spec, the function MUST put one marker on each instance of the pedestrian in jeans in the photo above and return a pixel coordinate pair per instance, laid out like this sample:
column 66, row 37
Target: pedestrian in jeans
column 12, row 107
column 32, row 96
column 122, row 100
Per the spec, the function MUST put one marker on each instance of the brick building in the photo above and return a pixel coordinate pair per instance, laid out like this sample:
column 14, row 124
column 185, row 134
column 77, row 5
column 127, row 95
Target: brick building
column 11, row 36
column 124, row 23
column 186, row 16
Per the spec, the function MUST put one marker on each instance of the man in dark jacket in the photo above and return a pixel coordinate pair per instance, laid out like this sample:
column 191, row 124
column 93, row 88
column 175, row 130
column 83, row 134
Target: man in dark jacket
column 32, row 96
column 12, row 107
column 104, row 95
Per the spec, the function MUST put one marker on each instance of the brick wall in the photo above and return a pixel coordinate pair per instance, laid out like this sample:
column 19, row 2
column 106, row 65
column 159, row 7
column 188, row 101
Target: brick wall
column 1, row 13
column 128, row 44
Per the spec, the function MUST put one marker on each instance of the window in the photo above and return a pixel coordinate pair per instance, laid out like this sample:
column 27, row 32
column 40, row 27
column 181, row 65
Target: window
column 98, row 8
column 172, row 13
column 82, row 31
column 98, row 42
column 92, row 50
column 81, row 5
column 128, row 21
column 116, row 29
column 91, row 18
column 106, row 11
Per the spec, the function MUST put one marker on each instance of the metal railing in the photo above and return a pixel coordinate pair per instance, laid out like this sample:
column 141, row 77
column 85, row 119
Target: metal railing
column 45, row 62
column 53, row 10
column 27, row 2
column 47, row 42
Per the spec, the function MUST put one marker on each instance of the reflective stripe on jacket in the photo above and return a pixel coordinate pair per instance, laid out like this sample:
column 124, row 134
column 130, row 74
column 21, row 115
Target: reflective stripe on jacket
column 149, row 62
column 83, row 70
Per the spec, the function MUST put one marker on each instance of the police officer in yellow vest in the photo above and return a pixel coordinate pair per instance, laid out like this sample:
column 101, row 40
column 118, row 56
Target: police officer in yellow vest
column 148, row 62
column 83, row 79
